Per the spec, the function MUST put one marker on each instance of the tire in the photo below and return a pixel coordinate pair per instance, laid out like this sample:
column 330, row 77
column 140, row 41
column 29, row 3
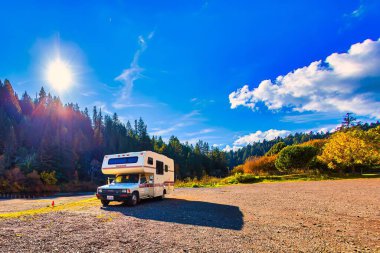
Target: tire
column 105, row 202
column 162, row 196
column 134, row 199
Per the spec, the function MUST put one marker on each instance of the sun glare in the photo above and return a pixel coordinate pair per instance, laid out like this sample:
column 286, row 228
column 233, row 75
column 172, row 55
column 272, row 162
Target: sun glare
column 59, row 75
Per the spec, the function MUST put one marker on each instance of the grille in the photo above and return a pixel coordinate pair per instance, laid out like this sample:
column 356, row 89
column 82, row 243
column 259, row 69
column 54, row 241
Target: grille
column 111, row 191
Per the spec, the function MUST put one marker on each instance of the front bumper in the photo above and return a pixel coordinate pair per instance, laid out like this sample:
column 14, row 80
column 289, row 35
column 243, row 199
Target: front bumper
column 116, row 197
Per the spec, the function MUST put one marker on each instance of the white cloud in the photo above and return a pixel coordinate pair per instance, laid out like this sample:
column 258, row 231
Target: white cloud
column 242, row 96
column 319, row 129
column 88, row 93
column 185, row 120
column 191, row 141
column 131, row 74
column 192, row 114
column 259, row 136
column 170, row 130
column 228, row 148
column 150, row 35
column 344, row 82
column 126, row 105
column 201, row 102
column 359, row 11
column 200, row 132
column 101, row 105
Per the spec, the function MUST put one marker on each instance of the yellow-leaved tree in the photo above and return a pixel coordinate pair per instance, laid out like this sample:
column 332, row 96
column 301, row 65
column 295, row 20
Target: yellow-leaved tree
column 352, row 149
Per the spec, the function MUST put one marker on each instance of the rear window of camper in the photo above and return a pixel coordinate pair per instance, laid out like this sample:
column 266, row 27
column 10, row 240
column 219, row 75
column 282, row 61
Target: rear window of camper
column 123, row 160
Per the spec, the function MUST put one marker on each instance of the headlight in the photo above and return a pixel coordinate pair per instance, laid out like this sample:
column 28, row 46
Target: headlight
column 124, row 190
column 99, row 190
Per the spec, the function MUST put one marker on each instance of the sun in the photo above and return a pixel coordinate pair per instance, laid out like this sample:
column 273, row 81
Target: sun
column 59, row 75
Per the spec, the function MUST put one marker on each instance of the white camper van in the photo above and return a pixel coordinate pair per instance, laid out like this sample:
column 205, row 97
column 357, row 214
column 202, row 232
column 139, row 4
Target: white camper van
column 137, row 175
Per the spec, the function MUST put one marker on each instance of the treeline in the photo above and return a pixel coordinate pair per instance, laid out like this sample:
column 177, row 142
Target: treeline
column 261, row 148
column 257, row 149
column 351, row 149
column 48, row 146
column 45, row 145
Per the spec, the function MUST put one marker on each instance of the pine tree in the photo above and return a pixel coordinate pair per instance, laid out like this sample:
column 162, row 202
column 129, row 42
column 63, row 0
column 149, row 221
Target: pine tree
column 27, row 105
column 348, row 121
column 42, row 96
column 85, row 113
column 94, row 117
column 115, row 118
column 9, row 101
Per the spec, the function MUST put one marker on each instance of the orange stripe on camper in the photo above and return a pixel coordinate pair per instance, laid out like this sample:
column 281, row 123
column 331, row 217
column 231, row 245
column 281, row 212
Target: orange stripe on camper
column 166, row 183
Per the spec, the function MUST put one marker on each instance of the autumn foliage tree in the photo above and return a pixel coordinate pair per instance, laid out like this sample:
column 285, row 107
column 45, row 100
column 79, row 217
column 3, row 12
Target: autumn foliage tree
column 260, row 165
column 352, row 150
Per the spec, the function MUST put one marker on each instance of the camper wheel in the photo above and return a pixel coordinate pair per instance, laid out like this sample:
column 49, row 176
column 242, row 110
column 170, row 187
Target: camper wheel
column 162, row 196
column 134, row 199
column 105, row 202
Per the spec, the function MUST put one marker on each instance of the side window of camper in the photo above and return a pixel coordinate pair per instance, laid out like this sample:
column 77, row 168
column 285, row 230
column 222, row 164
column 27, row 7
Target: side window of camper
column 150, row 160
column 123, row 160
column 159, row 168
column 166, row 168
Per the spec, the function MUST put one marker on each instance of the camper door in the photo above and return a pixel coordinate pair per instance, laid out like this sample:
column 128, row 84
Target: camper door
column 146, row 185
column 158, row 179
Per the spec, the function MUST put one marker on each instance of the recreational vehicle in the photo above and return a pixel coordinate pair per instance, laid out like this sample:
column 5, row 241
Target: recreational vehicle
column 137, row 175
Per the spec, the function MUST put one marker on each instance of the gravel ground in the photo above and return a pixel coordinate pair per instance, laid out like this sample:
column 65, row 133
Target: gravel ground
column 323, row 216
column 15, row 205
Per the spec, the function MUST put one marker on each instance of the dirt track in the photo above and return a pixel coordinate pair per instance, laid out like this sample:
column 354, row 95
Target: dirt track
column 295, row 216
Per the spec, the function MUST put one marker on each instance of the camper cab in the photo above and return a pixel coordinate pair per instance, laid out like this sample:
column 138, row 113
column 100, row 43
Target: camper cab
column 137, row 175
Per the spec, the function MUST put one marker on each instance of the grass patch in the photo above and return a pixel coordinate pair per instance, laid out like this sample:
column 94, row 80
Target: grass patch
column 67, row 206
column 250, row 179
column 205, row 181
column 104, row 218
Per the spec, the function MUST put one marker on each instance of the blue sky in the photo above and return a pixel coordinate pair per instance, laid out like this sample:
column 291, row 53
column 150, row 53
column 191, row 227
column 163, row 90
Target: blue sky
column 197, row 69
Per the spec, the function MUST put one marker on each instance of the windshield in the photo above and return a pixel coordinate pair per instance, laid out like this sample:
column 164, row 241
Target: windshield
column 131, row 178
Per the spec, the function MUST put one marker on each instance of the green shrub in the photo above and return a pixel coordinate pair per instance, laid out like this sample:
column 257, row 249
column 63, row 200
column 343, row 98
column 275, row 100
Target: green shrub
column 48, row 177
column 295, row 157
column 318, row 165
column 248, row 178
column 240, row 178
column 318, row 143
column 205, row 181
column 276, row 148
column 230, row 180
